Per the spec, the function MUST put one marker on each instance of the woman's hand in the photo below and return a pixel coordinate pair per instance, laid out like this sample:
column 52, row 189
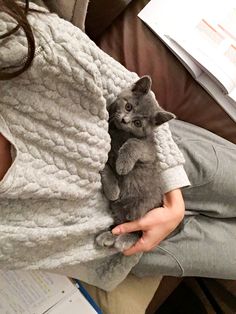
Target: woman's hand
column 156, row 225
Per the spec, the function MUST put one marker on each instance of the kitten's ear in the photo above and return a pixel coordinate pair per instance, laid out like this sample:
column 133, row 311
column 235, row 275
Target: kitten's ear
column 142, row 86
column 163, row 116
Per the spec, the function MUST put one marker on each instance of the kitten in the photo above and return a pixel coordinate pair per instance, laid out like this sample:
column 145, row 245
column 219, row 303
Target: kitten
column 130, row 178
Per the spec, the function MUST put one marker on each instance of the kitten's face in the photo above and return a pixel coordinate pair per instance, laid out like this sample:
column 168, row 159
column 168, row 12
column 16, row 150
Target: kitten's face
column 136, row 110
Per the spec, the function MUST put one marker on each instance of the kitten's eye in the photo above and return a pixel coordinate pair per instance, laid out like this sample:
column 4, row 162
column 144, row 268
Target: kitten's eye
column 128, row 107
column 138, row 123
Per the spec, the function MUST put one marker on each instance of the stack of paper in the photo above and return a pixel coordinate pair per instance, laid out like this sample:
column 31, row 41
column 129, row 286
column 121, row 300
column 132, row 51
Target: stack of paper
column 36, row 292
column 202, row 34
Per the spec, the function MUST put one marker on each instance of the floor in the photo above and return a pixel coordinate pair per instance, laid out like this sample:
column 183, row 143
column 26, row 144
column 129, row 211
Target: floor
column 192, row 297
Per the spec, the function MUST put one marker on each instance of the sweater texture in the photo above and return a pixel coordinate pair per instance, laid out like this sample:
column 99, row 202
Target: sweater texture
column 54, row 115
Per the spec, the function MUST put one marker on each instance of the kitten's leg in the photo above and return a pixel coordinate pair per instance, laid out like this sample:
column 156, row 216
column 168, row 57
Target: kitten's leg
column 119, row 210
column 125, row 241
column 132, row 151
column 138, row 209
column 110, row 184
column 126, row 158
column 121, row 242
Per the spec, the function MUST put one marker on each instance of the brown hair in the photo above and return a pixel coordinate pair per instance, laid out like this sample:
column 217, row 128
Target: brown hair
column 19, row 13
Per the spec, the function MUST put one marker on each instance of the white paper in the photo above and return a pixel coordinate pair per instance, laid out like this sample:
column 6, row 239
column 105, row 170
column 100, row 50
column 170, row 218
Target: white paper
column 174, row 21
column 75, row 304
column 204, row 29
column 211, row 41
column 157, row 15
column 32, row 292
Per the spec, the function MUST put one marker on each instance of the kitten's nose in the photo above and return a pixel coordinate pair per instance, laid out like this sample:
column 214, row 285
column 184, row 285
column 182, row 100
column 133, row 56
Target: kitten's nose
column 125, row 120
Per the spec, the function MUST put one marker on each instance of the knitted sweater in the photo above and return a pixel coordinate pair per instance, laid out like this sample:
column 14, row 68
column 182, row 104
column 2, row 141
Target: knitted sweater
column 55, row 116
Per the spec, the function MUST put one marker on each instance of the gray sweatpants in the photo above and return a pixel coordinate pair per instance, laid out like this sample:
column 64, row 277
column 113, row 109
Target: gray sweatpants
column 206, row 244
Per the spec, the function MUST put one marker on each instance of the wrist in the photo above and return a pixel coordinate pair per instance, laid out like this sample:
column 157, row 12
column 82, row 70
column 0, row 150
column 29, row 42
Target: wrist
column 173, row 196
column 174, row 200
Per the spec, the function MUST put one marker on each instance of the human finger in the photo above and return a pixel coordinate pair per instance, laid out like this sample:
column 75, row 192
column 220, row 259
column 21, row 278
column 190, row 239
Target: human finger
column 128, row 227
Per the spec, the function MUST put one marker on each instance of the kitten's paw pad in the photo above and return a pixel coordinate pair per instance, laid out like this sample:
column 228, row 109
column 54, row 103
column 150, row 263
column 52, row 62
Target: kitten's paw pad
column 106, row 239
column 122, row 168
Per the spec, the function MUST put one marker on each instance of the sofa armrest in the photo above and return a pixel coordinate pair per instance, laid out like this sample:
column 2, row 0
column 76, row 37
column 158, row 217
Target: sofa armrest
column 101, row 14
column 71, row 10
column 94, row 16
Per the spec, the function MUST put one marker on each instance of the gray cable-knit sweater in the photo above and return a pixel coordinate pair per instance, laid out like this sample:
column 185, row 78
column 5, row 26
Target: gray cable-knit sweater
column 55, row 116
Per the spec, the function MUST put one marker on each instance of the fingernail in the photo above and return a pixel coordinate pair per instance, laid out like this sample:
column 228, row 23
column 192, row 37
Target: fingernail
column 116, row 230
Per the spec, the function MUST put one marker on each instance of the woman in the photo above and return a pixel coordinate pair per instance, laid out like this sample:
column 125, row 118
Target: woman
column 53, row 126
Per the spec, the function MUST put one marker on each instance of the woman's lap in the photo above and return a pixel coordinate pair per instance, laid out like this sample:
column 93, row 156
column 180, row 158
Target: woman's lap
column 205, row 245
column 133, row 295
column 210, row 162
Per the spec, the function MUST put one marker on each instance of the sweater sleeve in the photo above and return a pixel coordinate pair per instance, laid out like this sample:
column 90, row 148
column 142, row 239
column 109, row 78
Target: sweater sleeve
column 170, row 160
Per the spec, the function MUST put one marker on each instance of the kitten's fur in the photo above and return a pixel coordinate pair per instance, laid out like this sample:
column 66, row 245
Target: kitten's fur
column 130, row 179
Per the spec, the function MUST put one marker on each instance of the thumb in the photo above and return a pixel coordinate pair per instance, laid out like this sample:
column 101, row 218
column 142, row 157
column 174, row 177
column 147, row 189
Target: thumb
column 127, row 227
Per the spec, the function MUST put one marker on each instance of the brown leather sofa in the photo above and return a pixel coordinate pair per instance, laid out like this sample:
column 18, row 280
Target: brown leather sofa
column 115, row 27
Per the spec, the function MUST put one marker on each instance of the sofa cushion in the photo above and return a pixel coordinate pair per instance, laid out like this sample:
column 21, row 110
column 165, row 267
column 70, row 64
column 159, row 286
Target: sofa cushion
column 131, row 42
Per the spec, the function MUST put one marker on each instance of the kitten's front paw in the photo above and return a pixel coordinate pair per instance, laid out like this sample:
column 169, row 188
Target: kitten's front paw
column 106, row 239
column 123, row 167
column 112, row 192
column 125, row 241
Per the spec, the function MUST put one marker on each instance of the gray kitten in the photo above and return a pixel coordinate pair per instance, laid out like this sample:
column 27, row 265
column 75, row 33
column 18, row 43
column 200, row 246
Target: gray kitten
column 130, row 178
